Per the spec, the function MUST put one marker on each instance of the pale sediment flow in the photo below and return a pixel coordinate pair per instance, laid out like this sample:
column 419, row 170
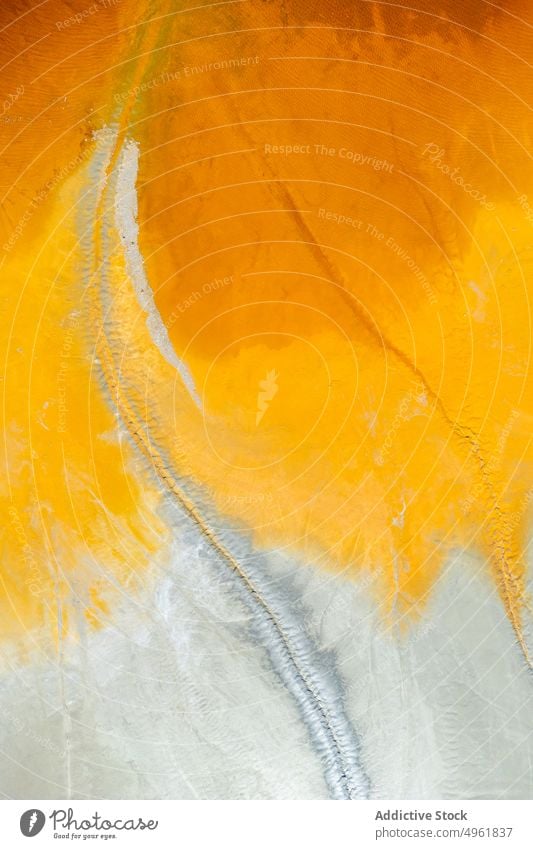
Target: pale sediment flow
column 278, row 622
column 180, row 676
column 442, row 704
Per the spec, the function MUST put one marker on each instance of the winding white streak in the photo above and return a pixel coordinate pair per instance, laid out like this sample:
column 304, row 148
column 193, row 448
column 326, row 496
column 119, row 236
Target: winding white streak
column 307, row 672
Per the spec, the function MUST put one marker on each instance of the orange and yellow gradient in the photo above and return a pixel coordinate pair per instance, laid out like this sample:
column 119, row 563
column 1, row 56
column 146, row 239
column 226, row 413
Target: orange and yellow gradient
column 335, row 212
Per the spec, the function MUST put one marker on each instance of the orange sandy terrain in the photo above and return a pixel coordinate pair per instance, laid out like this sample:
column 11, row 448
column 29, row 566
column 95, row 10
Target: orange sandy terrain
column 335, row 214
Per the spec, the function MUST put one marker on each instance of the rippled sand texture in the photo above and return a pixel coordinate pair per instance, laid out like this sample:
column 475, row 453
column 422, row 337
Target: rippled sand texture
column 267, row 399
